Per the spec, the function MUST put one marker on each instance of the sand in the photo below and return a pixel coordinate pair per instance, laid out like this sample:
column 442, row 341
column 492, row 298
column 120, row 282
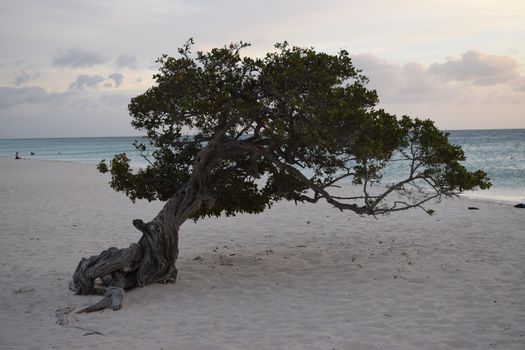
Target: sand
column 294, row 277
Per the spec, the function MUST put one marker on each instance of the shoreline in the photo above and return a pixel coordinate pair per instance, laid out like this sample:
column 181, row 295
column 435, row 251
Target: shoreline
column 502, row 199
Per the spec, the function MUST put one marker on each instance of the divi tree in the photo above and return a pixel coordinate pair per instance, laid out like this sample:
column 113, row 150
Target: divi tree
column 229, row 134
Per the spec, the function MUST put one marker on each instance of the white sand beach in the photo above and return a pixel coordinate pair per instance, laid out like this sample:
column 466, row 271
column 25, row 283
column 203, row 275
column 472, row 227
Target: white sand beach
column 293, row 277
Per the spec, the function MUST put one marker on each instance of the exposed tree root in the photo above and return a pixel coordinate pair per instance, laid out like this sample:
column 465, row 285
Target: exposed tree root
column 151, row 260
column 113, row 299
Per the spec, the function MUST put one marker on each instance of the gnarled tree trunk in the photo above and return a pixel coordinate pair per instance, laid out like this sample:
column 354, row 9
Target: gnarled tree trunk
column 153, row 258
column 150, row 260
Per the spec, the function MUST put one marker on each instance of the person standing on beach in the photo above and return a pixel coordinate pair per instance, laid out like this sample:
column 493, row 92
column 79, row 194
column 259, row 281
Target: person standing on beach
column 17, row 156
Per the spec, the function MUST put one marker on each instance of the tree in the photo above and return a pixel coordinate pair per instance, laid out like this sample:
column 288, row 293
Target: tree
column 289, row 126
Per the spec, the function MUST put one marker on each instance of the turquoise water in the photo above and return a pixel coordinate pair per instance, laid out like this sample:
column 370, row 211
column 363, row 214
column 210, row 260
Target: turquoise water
column 501, row 153
column 89, row 150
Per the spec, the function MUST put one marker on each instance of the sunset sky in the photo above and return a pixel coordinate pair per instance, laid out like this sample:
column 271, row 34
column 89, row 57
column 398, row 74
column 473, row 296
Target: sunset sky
column 68, row 68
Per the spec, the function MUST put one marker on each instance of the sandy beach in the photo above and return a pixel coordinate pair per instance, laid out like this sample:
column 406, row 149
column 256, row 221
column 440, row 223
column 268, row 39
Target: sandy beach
column 293, row 277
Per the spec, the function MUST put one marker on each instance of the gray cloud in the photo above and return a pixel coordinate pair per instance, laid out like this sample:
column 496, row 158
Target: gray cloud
column 478, row 68
column 519, row 84
column 414, row 82
column 126, row 61
column 117, row 78
column 75, row 57
column 10, row 96
column 36, row 95
column 24, row 78
column 86, row 81
column 400, row 83
column 418, row 86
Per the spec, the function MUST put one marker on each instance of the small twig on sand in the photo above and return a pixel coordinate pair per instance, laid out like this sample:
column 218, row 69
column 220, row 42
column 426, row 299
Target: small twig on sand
column 409, row 280
column 90, row 331
column 24, row 289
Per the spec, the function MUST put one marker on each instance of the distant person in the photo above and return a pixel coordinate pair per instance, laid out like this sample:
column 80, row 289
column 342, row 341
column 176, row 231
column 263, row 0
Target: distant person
column 32, row 153
column 17, row 156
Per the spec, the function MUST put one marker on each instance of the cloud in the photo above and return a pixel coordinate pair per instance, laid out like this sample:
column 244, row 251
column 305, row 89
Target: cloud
column 24, row 78
column 77, row 58
column 474, row 77
column 478, row 68
column 117, row 78
column 519, row 84
column 10, row 96
column 86, row 81
column 36, row 95
column 408, row 82
column 126, row 61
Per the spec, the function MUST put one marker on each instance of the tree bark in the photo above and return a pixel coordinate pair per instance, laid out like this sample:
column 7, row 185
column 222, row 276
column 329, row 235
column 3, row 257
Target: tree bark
column 151, row 260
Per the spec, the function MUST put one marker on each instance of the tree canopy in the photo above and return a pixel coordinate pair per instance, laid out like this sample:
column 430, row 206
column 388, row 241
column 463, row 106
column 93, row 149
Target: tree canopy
column 248, row 132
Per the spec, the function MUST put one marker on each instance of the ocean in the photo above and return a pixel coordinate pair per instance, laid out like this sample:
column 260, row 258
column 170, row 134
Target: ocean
column 501, row 153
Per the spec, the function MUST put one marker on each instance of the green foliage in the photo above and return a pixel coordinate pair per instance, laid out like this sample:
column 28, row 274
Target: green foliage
column 257, row 124
column 102, row 166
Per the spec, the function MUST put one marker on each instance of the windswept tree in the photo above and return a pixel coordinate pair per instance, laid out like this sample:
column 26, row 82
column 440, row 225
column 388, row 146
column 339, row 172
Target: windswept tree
column 229, row 134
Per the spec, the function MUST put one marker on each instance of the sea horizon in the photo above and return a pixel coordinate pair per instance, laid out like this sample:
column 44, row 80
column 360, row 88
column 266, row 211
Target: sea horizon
column 143, row 136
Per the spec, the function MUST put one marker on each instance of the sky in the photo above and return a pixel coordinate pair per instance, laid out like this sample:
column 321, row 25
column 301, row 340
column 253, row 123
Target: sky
column 68, row 68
